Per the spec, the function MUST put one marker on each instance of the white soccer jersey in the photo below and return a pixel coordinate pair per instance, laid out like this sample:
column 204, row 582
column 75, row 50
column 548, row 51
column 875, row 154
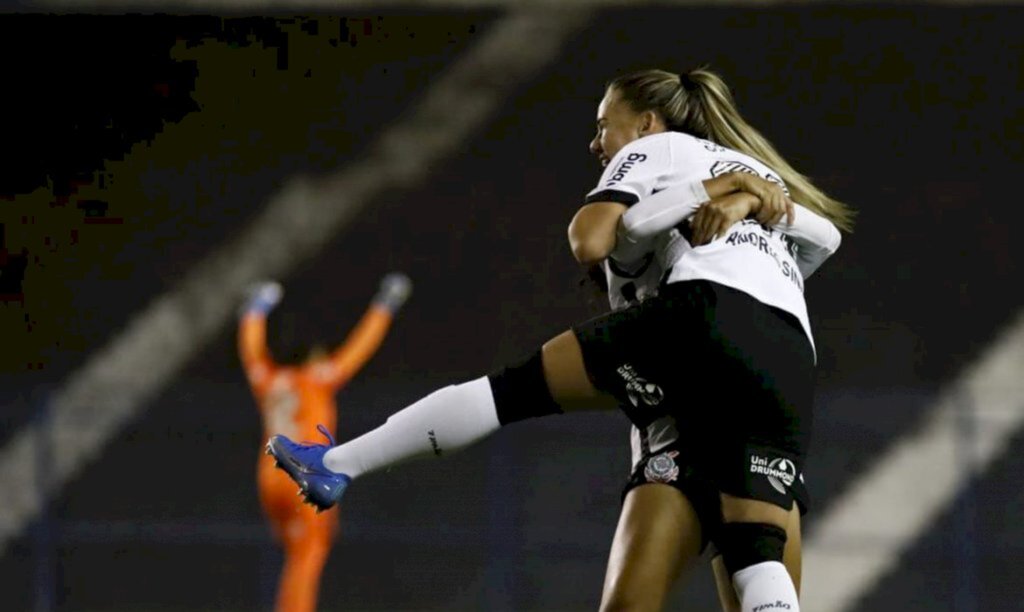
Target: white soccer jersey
column 757, row 260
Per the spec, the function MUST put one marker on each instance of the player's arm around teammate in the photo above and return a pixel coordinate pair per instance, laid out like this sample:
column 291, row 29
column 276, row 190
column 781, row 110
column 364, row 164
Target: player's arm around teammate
column 712, row 206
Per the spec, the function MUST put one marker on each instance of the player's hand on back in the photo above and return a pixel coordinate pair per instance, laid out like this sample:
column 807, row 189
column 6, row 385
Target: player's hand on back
column 775, row 204
column 714, row 218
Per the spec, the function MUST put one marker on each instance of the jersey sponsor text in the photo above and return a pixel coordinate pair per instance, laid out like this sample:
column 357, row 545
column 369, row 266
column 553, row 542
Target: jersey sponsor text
column 625, row 166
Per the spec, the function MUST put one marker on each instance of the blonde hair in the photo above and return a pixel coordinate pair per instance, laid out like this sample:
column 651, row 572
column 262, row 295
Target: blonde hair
column 700, row 104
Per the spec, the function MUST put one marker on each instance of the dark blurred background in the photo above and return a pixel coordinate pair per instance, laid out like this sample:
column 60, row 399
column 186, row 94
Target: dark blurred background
column 134, row 145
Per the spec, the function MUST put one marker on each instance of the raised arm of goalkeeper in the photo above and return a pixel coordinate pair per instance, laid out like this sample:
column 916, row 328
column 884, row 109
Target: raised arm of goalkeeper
column 252, row 334
column 345, row 361
column 365, row 338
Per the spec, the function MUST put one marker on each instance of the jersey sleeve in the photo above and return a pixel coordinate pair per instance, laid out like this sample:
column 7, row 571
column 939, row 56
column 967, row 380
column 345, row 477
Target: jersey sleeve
column 664, row 210
column 816, row 238
column 635, row 172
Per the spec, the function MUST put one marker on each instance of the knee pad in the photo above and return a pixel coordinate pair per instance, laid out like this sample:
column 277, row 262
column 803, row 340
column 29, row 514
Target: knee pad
column 746, row 544
column 521, row 391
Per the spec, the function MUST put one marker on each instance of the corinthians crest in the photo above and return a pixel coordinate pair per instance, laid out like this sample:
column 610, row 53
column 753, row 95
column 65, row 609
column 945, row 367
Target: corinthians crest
column 662, row 468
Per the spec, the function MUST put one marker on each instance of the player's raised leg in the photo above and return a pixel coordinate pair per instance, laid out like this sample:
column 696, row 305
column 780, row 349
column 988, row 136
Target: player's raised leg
column 551, row 380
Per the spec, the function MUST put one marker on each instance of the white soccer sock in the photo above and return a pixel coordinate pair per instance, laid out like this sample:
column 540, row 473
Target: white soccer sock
column 444, row 421
column 765, row 587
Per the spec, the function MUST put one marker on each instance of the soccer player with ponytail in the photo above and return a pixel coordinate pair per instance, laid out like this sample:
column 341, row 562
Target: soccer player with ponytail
column 724, row 348
column 666, row 128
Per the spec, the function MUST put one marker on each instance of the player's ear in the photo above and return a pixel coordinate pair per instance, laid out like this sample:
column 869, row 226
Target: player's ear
column 648, row 122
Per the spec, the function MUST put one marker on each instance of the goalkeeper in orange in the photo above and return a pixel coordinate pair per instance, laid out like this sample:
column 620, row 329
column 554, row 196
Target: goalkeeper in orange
column 294, row 400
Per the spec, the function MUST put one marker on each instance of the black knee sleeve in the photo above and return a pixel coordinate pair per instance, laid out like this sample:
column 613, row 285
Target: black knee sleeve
column 746, row 544
column 521, row 391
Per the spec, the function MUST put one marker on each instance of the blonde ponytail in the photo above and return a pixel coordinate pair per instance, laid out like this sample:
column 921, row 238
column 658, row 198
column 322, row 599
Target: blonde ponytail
column 700, row 104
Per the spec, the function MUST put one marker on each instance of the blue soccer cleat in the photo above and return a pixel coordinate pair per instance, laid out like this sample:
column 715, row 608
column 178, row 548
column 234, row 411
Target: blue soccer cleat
column 304, row 463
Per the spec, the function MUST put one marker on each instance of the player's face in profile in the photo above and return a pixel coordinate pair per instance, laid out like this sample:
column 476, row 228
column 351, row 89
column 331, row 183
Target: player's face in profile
column 617, row 126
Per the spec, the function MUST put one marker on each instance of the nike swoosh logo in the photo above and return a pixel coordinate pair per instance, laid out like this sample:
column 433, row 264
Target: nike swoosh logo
column 299, row 466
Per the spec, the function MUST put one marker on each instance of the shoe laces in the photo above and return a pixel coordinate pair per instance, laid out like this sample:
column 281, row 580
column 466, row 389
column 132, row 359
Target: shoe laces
column 326, row 433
